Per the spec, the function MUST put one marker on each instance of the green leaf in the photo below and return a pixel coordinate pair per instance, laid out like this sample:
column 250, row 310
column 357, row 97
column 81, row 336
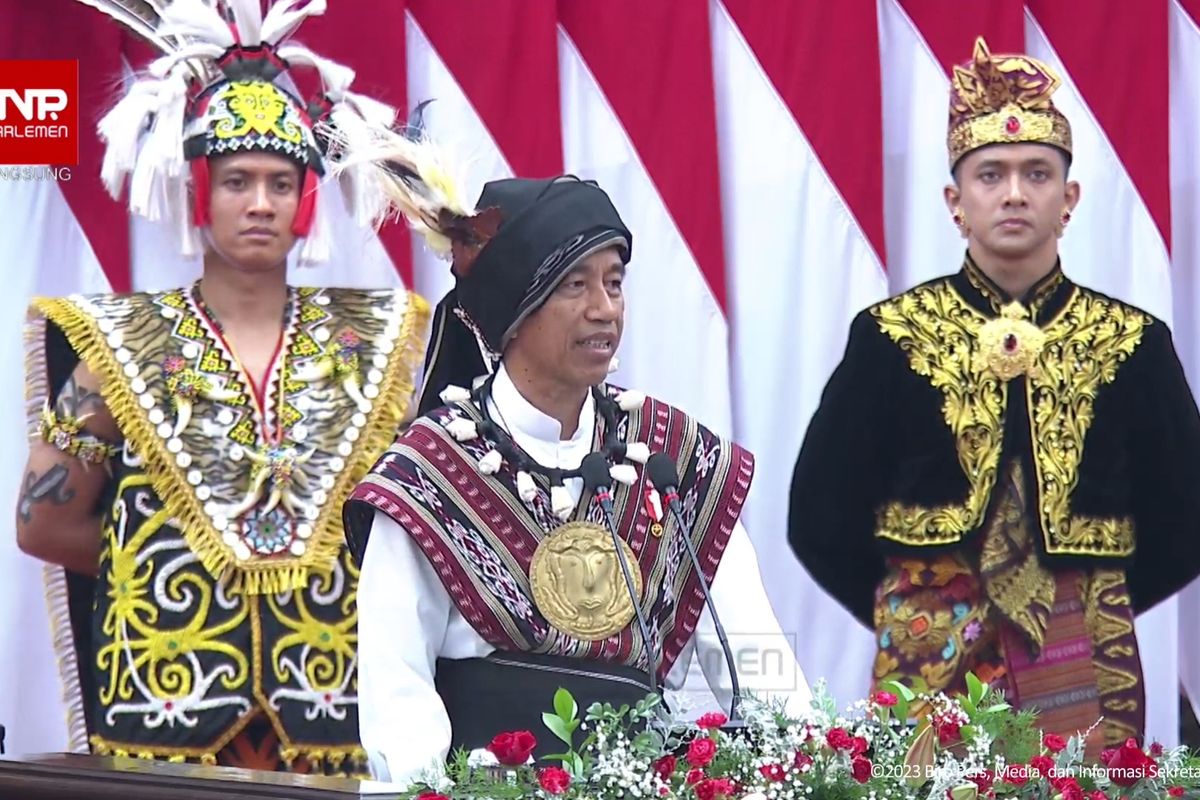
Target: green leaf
column 899, row 689
column 565, row 706
column 998, row 707
column 560, row 728
column 648, row 741
column 975, row 688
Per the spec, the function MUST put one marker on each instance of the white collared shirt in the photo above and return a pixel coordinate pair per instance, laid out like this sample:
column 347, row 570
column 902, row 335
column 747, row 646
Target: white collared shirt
column 406, row 619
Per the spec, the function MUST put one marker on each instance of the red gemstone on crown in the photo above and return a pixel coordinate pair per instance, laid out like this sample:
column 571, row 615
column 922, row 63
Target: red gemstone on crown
column 1012, row 126
column 1010, row 343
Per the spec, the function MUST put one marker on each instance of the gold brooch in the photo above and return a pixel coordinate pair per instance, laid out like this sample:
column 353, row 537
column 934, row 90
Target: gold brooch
column 577, row 582
column 1010, row 344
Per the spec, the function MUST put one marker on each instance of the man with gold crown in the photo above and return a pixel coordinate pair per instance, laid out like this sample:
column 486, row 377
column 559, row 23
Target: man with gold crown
column 192, row 448
column 490, row 574
column 1029, row 485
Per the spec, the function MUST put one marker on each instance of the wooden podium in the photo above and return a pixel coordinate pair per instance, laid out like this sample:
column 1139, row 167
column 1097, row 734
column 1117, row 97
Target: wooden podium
column 79, row 777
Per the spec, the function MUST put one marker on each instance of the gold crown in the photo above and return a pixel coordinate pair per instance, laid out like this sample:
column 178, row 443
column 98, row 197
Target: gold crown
column 1003, row 99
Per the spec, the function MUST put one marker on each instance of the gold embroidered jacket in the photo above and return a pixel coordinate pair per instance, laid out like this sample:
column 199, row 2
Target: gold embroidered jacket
column 944, row 384
column 225, row 588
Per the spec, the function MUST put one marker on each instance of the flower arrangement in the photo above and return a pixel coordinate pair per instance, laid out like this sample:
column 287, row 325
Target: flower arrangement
column 971, row 747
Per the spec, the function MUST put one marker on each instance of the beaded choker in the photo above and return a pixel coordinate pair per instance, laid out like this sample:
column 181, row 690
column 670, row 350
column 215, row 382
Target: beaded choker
column 504, row 449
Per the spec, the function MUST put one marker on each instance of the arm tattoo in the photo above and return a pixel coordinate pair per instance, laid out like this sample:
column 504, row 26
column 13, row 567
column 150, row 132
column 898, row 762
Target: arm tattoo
column 49, row 487
column 77, row 401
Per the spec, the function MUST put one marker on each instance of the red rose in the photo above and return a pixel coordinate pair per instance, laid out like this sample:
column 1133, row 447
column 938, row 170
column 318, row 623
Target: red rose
column 431, row 796
column 886, row 699
column 664, row 768
column 858, row 746
column 701, row 751
column 714, row 788
column 1129, row 764
column 860, row 768
column 1156, row 750
column 713, row 719
column 1175, row 791
column 554, row 780
column 802, row 761
column 1016, row 774
column 772, row 772
column 512, row 749
column 1069, row 788
column 983, row 779
column 1043, row 764
column 1054, row 743
column 1096, row 794
column 839, row 739
column 694, row 776
column 947, row 728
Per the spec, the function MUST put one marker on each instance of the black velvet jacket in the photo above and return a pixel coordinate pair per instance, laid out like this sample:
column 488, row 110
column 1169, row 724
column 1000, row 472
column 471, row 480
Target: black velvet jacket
column 941, row 386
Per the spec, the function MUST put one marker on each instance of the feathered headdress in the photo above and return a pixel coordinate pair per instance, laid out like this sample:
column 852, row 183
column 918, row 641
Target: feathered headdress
column 406, row 175
column 214, row 91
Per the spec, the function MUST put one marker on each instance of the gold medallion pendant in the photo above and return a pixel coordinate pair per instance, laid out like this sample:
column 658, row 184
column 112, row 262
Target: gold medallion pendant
column 1010, row 344
column 577, row 582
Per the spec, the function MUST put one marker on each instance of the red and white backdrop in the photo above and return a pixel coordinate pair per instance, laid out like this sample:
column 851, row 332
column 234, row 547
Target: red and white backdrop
column 780, row 163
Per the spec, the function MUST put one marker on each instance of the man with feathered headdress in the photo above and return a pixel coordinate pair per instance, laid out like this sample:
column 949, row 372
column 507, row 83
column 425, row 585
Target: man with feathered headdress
column 192, row 448
column 1029, row 485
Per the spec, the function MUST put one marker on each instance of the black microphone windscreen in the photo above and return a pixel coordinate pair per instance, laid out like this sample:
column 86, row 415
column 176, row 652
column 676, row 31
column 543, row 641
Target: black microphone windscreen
column 595, row 471
column 661, row 470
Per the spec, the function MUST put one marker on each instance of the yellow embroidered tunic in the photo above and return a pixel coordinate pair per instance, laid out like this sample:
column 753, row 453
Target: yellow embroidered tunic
column 945, row 384
column 225, row 589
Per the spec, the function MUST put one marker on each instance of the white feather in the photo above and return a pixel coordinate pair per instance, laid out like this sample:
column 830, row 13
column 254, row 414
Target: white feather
column 247, row 15
column 195, row 19
column 117, row 10
column 121, row 129
column 335, row 77
column 317, row 246
column 283, row 18
column 161, row 157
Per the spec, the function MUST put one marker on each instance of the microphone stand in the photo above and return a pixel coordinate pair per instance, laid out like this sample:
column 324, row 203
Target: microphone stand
column 596, row 477
column 661, row 471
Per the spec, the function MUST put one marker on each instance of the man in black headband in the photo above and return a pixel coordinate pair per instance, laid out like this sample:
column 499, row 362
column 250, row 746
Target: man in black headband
column 489, row 571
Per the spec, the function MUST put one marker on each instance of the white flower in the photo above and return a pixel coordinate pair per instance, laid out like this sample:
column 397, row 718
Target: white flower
column 480, row 757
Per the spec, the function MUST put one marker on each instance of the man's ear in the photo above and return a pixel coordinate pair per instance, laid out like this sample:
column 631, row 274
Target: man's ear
column 1072, row 194
column 953, row 196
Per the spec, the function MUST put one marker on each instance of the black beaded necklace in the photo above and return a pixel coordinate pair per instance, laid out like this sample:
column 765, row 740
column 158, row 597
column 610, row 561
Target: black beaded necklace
column 613, row 448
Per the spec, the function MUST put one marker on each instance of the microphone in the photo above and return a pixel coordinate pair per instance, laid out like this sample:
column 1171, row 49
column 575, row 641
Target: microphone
column 596, row 477
column 661, row 471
